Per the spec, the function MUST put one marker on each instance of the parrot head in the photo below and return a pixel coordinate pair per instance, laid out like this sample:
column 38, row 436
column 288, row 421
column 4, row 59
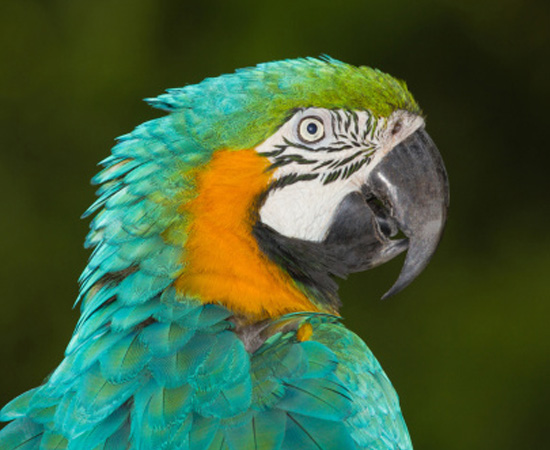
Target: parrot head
column 268, row 182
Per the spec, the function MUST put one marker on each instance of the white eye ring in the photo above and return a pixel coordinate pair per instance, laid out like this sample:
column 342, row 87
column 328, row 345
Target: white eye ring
column 311, row 129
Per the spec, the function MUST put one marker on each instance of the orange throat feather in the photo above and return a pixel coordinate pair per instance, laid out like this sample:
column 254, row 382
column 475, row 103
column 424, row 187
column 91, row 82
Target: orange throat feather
column 223, row 263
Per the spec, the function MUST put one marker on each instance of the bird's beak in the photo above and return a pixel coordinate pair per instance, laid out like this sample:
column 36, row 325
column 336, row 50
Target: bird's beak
column 411, row 183
column 406, row 191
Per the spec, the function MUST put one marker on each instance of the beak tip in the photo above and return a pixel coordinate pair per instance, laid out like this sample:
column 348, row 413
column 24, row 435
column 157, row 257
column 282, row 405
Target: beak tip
column 396, row 288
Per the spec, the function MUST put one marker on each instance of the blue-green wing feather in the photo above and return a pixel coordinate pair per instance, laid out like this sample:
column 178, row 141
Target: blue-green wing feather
column 376, row 421
column 21, row 434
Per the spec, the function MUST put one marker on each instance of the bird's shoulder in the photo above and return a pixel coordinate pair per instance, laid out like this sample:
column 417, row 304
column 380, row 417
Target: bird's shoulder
column 326, row 385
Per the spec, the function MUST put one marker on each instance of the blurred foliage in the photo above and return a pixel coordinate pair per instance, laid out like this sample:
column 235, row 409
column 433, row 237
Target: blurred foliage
column 468, row 344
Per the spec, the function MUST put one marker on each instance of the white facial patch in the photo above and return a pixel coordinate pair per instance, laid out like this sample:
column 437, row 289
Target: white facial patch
column 297, row 211
column 321, row 156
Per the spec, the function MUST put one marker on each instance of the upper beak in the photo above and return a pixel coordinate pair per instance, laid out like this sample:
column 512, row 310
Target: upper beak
column 412, row 185
column 407, row 190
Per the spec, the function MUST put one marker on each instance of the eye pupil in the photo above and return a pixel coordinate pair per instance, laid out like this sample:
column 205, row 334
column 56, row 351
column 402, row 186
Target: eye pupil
column 312, row 128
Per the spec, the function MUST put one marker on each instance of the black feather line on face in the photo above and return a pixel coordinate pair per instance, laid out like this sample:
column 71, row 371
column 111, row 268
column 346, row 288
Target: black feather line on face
column 290, row 179
column 332, row 176
column 298, row 145
column 279, row 150
column 292, row 158
column 347, row 121
column 355, row 123
column 323, row 164
column 345, row 172
column 369, row 126
column 343, row 162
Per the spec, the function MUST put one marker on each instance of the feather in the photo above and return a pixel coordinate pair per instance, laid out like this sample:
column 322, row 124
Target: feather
column 96, row 398
column 21, row 434
column 125, row 359
column 321, row 361
column 138, row 250
column 142, row 171
column 164, row 339
column 18, row 406
column 128, row 317
column 115, row 169
column 53, row 441
column 263, row 430
column 179, row 439
column 319, row 398
column 122, row 198
column 101, row 253
column 92, row 350
column 101, row 431
column 138, row 287
column 168, row 406
column 203, row 432
column 212, row 314
column 184, row 312
column 165, row 263
column 97, row 312
column 309, row 433
column 120, row 440
column 174, row 370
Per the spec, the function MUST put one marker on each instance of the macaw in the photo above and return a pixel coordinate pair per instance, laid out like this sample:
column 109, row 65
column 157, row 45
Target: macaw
column 209, row 311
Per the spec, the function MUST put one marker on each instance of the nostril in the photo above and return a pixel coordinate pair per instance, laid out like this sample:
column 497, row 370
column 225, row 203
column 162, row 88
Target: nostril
column 387, row 224
column 397, row 127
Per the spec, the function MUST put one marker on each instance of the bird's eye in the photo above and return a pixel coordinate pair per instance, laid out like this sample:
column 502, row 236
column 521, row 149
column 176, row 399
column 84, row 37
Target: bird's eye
column 311, row 129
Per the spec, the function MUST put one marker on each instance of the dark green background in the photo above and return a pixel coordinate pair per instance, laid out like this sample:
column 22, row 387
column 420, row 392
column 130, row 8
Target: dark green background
column 467, row 346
